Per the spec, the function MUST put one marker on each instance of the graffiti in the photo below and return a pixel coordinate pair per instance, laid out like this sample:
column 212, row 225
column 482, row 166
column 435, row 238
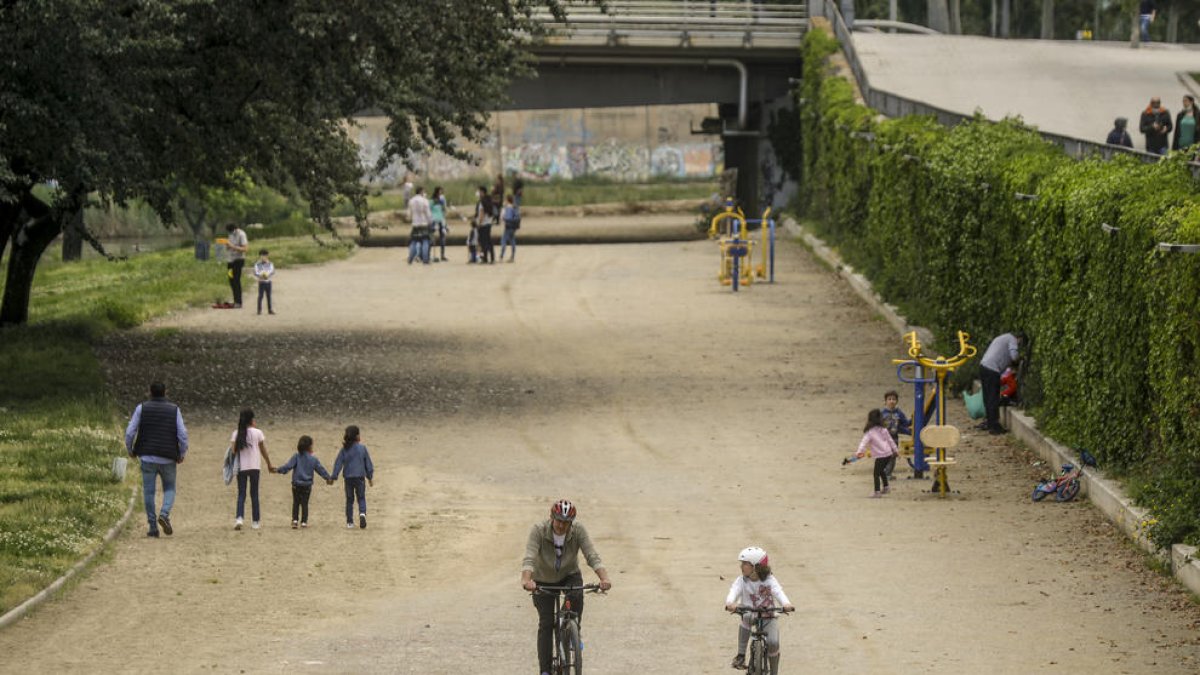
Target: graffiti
column 619, row 161
column 538, row 161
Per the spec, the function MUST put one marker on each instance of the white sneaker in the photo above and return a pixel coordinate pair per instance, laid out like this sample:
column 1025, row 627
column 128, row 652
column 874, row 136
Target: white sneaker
column 254, row 525
column 237, row 524
column 349, row 526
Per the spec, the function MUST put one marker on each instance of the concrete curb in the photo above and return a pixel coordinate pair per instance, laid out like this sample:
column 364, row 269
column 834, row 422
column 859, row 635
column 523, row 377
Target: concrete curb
column 1104, row 493
column 17, row 613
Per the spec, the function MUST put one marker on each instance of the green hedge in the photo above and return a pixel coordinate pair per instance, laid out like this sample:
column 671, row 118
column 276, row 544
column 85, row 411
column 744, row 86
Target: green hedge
column 930, row 214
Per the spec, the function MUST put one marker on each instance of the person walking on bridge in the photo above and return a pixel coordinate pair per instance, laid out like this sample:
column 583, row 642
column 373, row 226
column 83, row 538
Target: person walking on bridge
column 1186, row 125
column 1156, row 126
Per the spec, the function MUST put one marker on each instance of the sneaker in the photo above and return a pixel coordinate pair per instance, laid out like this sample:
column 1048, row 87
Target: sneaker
column 886, row 489
column 295, row 524
column 270, row 311
column 255, row 525
column 164, row 521
column 876, row 495
column 362, row 520
column 997, row 431
column 152, row 533
column 237, row 524
column 237, row 305
column 739, row 662
column 349, row 525
column 304, row 524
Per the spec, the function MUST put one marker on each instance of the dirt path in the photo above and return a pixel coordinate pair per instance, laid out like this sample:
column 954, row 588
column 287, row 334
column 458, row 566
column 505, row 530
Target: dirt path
column 685, row 421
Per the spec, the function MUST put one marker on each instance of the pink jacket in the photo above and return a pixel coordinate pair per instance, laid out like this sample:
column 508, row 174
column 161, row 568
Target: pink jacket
column 880, row 441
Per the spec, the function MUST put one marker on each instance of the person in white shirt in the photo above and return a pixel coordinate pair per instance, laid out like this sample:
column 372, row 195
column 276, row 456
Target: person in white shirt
column 264, row 270
column 757, row 588
column 421, row 217
column 238, row 245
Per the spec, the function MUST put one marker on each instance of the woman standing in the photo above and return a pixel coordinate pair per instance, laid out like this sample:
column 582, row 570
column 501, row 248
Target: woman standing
column 485, row 215
column 1185, row 125
column 251, row 448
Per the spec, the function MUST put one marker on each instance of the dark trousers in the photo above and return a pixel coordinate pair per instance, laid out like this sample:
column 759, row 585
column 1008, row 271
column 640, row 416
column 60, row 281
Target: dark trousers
column 235, row 279
column 545, row 609
column 355, row 487
column 249, row 476
column 487, row 252
column 880, row 472
column 264, row 288
column 300, row 495
column 990, row 380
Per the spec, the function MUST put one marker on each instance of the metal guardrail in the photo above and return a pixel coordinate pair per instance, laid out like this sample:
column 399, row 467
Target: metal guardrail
column 737, row 23
column 894, row 105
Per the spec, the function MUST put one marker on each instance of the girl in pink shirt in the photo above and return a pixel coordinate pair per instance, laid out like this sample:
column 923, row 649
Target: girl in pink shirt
column 877, row 438
column 251, row 448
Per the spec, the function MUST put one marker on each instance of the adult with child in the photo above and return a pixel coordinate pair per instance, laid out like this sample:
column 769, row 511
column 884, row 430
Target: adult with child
column 157, row 436
column 420, row 215
column 1185, row 124
column 251, row 447
column 354, row 463
column 1155, row 125
column 1003, row 351
column 264, row 271
column 552, row 559
column 303, row 464
column 237, row 244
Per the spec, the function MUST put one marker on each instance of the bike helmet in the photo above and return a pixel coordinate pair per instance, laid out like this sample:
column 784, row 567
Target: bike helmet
column 563, row 510
column 754, row 555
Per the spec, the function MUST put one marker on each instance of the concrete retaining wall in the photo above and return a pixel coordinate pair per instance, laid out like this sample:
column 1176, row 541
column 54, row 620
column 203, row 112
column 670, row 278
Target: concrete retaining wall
column 1104, row 493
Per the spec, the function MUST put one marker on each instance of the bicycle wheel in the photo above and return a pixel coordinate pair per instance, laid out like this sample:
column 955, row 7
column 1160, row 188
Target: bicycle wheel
column 1067, row 491
column 1039, row 494
column 572, row 655
column 757, row 665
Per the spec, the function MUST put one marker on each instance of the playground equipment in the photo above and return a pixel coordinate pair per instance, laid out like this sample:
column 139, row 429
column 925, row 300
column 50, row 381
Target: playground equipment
column 731, row 229
column 936, row 435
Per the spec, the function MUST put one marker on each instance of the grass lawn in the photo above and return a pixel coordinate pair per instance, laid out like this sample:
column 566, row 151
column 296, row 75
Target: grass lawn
column 59, row 428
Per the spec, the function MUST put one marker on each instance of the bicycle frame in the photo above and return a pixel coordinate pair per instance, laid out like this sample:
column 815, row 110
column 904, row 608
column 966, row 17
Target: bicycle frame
column 565, row 651
column 757, row 658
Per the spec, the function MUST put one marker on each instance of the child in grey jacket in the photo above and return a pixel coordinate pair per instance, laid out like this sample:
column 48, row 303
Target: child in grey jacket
column 355, row 462
column 305, row 464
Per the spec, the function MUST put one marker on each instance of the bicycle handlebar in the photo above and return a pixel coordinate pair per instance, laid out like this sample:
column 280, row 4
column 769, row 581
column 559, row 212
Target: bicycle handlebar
column 745, row 609
column 547, row 589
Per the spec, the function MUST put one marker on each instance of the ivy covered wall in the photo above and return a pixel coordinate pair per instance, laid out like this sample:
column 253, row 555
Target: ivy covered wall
column 932, row 216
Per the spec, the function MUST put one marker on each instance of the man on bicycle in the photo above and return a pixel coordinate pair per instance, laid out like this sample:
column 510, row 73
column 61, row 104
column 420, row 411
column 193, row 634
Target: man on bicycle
column 552, row 559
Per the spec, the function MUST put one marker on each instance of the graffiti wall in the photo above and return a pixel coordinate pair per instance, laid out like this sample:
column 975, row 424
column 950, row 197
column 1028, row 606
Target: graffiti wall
column 625, row 144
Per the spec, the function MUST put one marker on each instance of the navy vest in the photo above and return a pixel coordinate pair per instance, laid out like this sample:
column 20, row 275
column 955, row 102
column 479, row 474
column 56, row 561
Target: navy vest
column 157, row 434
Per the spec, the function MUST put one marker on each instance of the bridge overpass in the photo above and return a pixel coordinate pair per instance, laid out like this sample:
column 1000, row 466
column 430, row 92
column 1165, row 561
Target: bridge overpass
column 737, row 54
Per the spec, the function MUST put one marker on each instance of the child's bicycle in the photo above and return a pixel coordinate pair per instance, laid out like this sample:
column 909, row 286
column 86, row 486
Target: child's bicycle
column 567, row 654
column 1064, row 487
column 757, row 661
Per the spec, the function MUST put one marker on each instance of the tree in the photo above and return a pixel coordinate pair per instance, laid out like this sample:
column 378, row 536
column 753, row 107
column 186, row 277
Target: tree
column 144, row 98
column 1047, row 19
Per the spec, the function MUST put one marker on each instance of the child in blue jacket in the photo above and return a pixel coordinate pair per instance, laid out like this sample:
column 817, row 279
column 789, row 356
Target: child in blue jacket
column 354, row 464
column 305, row 463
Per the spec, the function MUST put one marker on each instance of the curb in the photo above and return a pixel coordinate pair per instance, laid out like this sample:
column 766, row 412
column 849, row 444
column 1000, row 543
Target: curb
column 1104, row 493
column 17, row 613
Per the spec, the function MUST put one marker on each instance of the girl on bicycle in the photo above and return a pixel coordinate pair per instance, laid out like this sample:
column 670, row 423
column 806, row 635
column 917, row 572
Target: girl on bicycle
column 552, row 559
column 883, row 448
column 756, row 587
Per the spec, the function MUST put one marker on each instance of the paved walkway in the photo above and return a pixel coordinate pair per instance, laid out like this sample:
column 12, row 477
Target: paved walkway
column 1069, row 88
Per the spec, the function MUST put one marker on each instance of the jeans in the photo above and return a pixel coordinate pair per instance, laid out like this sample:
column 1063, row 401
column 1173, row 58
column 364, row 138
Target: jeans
column 251, row 476
column 509, row 238
column 151, row 470
column 1144, row 24
column 418, row 248
column 300, row 495
column 235, row 279
column 264, row 288
column 990, row 380
column 545, row 608
column 355, row 487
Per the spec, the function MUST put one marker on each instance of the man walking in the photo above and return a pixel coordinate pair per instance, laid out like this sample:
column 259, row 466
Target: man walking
column 1156, row 125
column 157, row 437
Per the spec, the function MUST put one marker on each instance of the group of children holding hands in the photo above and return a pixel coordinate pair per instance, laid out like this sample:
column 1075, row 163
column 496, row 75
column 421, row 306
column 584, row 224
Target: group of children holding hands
column 353, row 463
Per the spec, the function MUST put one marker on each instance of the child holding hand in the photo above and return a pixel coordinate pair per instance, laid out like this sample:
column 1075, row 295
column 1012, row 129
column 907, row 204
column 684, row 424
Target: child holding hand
column 305, row 463
column 356, row 463
column 882, row 448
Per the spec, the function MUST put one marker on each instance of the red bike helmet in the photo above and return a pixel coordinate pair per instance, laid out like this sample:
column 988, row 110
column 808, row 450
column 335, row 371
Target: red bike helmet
column 563, row 510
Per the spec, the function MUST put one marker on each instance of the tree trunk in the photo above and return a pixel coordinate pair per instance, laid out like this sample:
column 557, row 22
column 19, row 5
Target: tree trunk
column 36, row 228
column 1047, row 19
column 939, row 15
column 956, row 17
column 1135, row 32
column 1173, row 23
column 194, row 213
column 72, row 243
column 1005, row 17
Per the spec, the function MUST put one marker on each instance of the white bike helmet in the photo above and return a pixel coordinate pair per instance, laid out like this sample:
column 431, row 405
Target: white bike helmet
column 754, row 555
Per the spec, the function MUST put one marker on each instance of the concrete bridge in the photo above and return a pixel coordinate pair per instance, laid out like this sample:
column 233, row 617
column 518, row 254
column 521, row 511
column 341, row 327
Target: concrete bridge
column 740, row 55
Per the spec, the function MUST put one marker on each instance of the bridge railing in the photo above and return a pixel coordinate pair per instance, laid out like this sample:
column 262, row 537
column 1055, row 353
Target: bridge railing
column 894, row 105
column 737, row 23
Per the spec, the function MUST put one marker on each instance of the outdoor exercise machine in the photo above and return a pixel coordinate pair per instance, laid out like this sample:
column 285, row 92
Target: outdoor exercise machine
column 730, row 228
column 930, row 429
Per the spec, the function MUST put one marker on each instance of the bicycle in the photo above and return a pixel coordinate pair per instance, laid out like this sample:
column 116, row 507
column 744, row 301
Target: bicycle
column 567, row 654
column 1064, row 487
column 757, row 662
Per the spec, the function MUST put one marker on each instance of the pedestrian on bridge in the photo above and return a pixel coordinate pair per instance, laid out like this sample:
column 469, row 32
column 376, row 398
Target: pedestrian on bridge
column 1118, row 135
column 1156, row 126
column 1185, row 125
